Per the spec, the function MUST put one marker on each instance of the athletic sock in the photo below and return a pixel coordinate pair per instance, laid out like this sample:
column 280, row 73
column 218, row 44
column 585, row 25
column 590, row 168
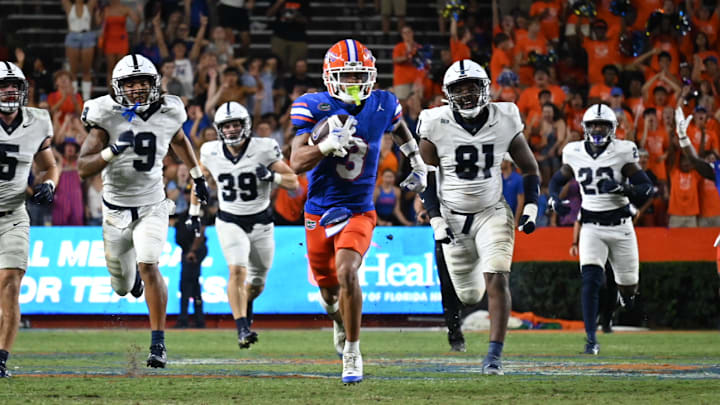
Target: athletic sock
column 495, row 349
column 249, row 312
column 592, row 280
column 352, row 347
column 4, row 357
column 86, row 87
column 240, row 324
column 158, row 336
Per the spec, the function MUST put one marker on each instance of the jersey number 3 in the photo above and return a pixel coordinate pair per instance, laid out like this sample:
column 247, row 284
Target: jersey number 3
column 466, row 159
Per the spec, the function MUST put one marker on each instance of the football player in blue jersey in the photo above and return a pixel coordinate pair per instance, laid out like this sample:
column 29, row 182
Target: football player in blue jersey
column 342, row 168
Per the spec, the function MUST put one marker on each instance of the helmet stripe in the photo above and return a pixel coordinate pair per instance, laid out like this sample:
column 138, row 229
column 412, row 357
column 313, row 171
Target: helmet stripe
column 135, row 62
column 599, row 109
column 7, row 65
column 228, row 108
column 462, row 67
column 352, row 50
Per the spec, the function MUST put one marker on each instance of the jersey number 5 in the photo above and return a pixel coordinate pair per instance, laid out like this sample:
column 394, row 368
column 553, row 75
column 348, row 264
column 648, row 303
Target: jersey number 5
column 466, row 158
column 8, row 163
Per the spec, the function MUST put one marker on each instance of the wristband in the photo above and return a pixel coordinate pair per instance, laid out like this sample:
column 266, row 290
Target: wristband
column 195, row 172
column 51, row 183
column 409, row 147
column 107, row 154
column 417, row 163
column 684, row 141
column 277, row 178
column 194, row 210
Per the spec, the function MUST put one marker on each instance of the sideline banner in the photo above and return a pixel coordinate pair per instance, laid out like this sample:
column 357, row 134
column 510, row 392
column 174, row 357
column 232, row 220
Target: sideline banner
column 67, row 275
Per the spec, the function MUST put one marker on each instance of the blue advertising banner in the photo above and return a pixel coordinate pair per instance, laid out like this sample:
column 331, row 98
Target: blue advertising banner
column 67, row 275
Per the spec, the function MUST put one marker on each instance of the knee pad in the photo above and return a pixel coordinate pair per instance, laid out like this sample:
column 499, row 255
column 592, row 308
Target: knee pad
column 593, row 275
column 470, row 296
column 122, row 272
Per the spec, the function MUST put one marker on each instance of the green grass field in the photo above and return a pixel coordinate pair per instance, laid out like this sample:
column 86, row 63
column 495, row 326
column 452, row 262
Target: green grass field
column 206, row 367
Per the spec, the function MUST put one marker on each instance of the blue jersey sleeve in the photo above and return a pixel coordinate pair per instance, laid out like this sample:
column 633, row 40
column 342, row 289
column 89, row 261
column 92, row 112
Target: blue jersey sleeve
column 301, row 114
column 396, row 108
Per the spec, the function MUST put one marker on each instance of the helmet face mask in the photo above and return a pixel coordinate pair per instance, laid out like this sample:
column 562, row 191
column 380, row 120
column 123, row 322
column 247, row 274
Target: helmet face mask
column 133, row 69
column 13, row 88
column 467, row 88
column 232, row 123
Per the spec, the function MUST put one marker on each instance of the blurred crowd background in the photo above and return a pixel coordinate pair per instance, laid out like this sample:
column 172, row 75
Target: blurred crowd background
column 552, row 58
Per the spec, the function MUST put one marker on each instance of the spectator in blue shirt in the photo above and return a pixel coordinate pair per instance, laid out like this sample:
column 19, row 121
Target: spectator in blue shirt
column 196, row 122
column 512, row 188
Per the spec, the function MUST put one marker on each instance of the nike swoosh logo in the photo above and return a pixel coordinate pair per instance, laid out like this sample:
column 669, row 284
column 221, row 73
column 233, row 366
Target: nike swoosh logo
column 250, row 155
column 16, row 224
column 164, row 110
column 492, row 125
column 27, row 125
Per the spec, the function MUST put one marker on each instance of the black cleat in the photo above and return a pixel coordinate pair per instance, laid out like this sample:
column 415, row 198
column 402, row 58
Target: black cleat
column 4, row 373
column 592, row 349
column 246, row 338
column 457, row 341
column 138, row 287
column 158, row 356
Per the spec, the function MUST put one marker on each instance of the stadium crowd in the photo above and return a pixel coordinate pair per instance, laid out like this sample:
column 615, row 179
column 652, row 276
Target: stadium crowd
column 641, row 57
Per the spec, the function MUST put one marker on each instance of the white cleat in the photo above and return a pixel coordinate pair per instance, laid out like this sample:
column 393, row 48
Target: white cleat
column 339, row 338
column 352, row 368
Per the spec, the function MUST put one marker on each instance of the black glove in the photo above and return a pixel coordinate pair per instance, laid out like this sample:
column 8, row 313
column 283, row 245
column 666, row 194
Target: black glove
column 610, row 186
column 201, row 190
column 560, row 207
column 43, row 193
column 264, row 174
column 193, row 223
column 125, row 140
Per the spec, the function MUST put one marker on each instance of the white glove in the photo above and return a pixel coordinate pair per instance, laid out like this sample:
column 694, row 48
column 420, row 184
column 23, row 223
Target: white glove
column 417, row 180
column 442, row 231
column 681, row 126
column 339, row 137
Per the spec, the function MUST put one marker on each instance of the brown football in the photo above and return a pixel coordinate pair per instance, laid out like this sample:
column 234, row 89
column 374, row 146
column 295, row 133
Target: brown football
column 322, row 128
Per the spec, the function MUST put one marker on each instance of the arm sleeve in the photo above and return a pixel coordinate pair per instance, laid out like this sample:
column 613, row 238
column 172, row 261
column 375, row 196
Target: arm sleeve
column 429, row 197
column 557, row 182
column 302, row 116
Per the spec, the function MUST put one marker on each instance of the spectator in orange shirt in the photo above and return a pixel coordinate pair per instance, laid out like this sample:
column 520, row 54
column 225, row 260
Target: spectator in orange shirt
column 635, row 96
column 506, row 87
column 684, row 201
column 549, row 12
column 702, row 47
column 534, row 117
column 505, row 25
column 574, row 111
column 289, row 204
column 663, row 78
column 459, row 38
column 705, row 20
column 660, row 99
column 656, row 141
column 703, row 138
column 601, row 51
column 534, row 42
column 625, row 129
column 644, row 9
column 529, row 96
column 707, row 70
column 501, row 56
column 64, row 101
column 709, row 198
column 405, row 73
column 600, row 92
column 388, row 160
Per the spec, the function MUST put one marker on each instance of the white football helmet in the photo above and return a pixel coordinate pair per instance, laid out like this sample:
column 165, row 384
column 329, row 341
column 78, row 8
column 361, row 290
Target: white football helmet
column 132, row 66
column 11, row 100
column 599, row 135
column 467, row 103
column 232, row 111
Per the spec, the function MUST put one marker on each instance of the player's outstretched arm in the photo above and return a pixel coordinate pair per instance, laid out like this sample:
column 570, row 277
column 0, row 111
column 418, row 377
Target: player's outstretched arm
column 288, row 178
column 429, row 196
column 182, row 147
column 523, row 157
column 417, row 180
column 557, row 182
column 304, row 157
column 44, row 192
column 701, row 166
column 93, row 157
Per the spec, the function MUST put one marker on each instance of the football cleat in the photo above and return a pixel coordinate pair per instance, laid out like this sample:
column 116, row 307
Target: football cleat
column 457, row 341
column 492, row 366
column 339, row 338
column 246, row 337
column 158, row 356
column 4, row 373
column 352, row 368
column 592, row 349
column 627, row 303
column 138, row 287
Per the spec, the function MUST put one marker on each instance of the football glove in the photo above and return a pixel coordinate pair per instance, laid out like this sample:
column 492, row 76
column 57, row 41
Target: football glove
column 441, row 230
column 681, row 126
column 609, row 186
column 417, row 179
column 265, row 174
column 125, row 140
column 338, row 139
column 193, row 223
column 43, row 193
column 528, row 218
column 560, row 207
column 201, row 190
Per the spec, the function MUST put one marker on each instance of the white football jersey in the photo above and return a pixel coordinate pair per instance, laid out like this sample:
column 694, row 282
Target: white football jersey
column 134, row 178
column 469, row 173
column 19, row 145
column 239, row 190
column 588, row 172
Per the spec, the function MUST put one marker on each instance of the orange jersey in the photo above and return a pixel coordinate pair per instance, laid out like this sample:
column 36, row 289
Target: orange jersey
column 644, row 9
column 710, row 27
column 356, row 235
column 459, row 50
column 600, row 53
column 406, row 72
column 524, row 46
column 709, row 199
column 684, row 199
column 529, row 98
column 668, row 45
column 550, row 24
column 711, row 138
column 499, row 61
column 624, row 127
column 657, row 143
column 389, row 161
column 601, row 91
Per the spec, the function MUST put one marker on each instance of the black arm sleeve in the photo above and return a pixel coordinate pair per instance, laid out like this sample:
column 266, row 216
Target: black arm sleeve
column 531, row 188
column 640, row 188
column 429, row 196
column 557, row 182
